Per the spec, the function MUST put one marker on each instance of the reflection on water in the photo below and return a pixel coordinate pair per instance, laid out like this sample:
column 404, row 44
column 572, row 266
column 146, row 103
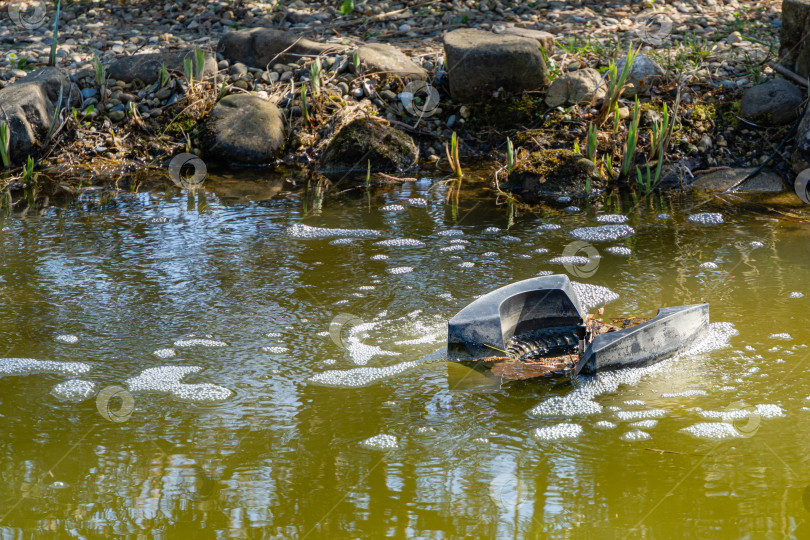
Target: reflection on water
column 285, row 361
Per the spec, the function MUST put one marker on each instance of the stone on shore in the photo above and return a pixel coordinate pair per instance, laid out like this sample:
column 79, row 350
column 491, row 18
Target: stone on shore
column 243, row 129
column 148, row 66
column 480, row 63
column 28, row 107
column 550, row 174
column 794, row 47
column 765, row 181
column 576, row 88
column 388, row 60
column 774, row 103
column 643, row 74
column 347, row 155
column 545, row 39
column 260, row 47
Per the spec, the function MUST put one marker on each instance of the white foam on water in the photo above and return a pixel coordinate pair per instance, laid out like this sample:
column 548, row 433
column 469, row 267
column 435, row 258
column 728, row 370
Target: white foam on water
column 796, row 294
column 399, row 242
column 783, row 336
column 400, row 270
column 636, row 435
column 165, row 353
column 362, row 353
column 430, row 338
column 382, row 441
column 451, row 232
column 604, row 424
column 707, row 218
column 761, row 411
column 685, row 393
column 459, row 241
column 662, row 216
column 379, row 257
column 446, row 296
column 545, row 273
column 574, row 260
column 572, row 209
column 591, row 296
column 581, row 402
column 619, row 250
column 392, row 208
column 612, row 218
column 199, row 343
column 490, row 254
column 638, row 415
column 466, row 265
column 74, row 390
column 305, row 232
column 454, row 247
column 417, row 202
column 548, row 227
column 167, row 379
column 709, row 266
column 512, row 239
column 540, row 251
column 754, row 244
column 68, row 338
column 558, row 432
column 366, row 288
column 359, row 377
column 644, row 424
column 329, row 362
column 30, row 366
column 275, row 350
column 713, row 430
column 492, row 230
column 634, row 402
column 602, row 233
column 273, row 334
column 341, row 241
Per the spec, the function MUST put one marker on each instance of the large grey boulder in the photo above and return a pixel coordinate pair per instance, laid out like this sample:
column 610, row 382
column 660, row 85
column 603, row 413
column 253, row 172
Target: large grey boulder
column 644, row 73
column 774, row 103
column 260, row 47
column 243, row 129
column 347, row 155
column 479, row 63
column 794, row 38
column 765, row 181
column 147, row 67
column 576, row 88
column 387, row 60
column 28, row 107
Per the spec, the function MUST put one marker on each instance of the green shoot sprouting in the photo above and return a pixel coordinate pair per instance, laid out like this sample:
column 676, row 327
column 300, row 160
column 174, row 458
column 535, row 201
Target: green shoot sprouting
column 510, row 156
column 577, row 149
column 199, row 63
column 164, row 76
column 28, row 171
column 452, row 156
column 5, row 141
column 590, row 150
column 368, row 174
column 356, row 62
column 632, row 140
column 188, row 70
column 304, row 108
column 347, row 7
column 658, row 135
column 315, row 73
column 616, row 118
column 55, row 37
column 616, row 82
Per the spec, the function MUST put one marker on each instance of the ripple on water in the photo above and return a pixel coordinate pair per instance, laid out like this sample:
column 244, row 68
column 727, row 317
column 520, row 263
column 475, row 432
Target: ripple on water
column 706, row 218
column 167, row 379
column 602, row 233
column 558, row 432
column 74, row 390
column 306, row 232
column 30, row 366
column 612, row 218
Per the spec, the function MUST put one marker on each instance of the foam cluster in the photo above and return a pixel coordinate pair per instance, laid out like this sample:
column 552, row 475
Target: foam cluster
column 574, row 260
column 637, row 415
column 492, row 230
column 713, row 430
column 392, row 208
column 379, row 257
column 451, row 232
column 685, row 393
column 454, row 247
column 619, row 250
column 306, row 232
column 558, row 432
column 709, row 266
column 382, row 441
column 74, row 390
column 707, row 218
column 30, row 366
column 548, row 227
column 358, row 377
column 783, row 336
column 591, row 296
column 69, row 339
column 199, row 343
column 400, row 270
column 612, row 218
column 167, row 379
column 417, row 202
column 165, row 353
column 604, row 424
column 275, row 349
column 602, row 233
column 636, row 435
column 796, row 294
column 399, row 242
column 645, row 424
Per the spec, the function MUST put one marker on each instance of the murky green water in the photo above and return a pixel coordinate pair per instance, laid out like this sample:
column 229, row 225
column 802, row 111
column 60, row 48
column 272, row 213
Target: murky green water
column 283, row 457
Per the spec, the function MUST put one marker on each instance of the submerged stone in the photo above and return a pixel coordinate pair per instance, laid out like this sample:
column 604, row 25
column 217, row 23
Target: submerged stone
column 550, row 174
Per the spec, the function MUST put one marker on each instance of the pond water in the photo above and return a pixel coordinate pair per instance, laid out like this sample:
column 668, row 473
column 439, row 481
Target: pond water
column 250, row 362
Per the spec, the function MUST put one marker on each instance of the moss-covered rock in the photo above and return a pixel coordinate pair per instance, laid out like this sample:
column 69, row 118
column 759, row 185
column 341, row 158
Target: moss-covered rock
column 548, row 174
column 347, row 155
